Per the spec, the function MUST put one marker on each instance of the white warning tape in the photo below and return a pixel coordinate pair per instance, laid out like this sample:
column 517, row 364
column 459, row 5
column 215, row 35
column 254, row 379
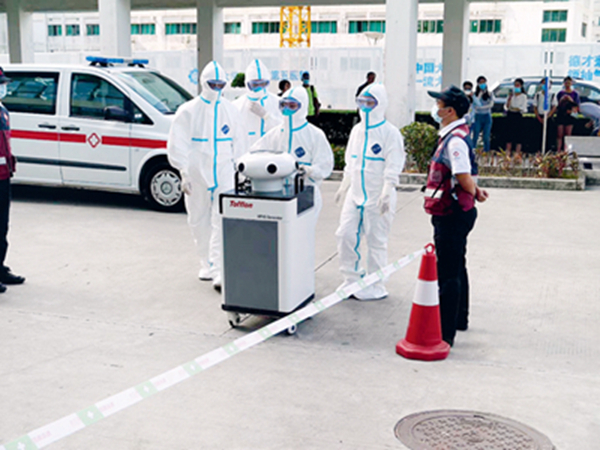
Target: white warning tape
column 55, row 431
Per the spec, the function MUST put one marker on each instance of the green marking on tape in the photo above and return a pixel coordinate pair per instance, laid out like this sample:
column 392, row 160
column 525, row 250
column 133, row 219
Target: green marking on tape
column 231, row 349
column 265, row 333
column 341, row 294
column 146, row 389
column 319, row 305
column 90, row 416
column 23, row 443
column 397, row 265
column 362, row 283
column 192, row 368
column 294, row 318
column 380, row 274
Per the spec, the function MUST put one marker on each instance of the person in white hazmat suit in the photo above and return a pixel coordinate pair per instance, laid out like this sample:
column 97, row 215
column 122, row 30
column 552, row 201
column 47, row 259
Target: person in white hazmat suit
column 206, row 136
column 259, row 107
column 307, row 143
column 374, row 160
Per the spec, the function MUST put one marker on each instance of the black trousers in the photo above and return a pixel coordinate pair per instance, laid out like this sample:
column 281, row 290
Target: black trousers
column 4, row 214
column 450, row 236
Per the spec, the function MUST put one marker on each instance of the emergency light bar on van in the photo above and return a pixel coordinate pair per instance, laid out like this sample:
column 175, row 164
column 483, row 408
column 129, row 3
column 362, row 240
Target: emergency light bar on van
column 103, row 61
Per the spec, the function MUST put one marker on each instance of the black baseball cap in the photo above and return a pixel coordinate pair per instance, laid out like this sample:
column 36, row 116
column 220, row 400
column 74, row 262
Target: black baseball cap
column 3, row 78
column 454, row 98
column 305, row 76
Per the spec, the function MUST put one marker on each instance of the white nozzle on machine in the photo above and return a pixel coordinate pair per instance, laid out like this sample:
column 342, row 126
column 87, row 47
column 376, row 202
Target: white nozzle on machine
column 267, row 169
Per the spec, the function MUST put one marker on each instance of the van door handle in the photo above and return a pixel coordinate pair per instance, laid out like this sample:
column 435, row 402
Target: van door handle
column 70, row 128
column 47, row 126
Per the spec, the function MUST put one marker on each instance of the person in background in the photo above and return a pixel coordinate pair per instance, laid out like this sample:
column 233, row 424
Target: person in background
column 516, row 106
column 539, row 107
column 592, row 112
column 483, row 101
column 468, row 90
column 370, row 80
column 568, row 105
column 284, row 86
column 7, row 169
column 314, row 106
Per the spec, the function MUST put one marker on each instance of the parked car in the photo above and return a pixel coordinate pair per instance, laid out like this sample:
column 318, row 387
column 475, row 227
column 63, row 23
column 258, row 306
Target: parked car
column 102, row 126
column 588, row 91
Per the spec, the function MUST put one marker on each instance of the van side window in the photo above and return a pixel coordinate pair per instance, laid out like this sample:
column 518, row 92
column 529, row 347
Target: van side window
column 91, row 95
column 31, row 92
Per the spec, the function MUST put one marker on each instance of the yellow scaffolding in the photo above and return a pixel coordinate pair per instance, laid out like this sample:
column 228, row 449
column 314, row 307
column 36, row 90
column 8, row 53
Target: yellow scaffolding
column 294, row 26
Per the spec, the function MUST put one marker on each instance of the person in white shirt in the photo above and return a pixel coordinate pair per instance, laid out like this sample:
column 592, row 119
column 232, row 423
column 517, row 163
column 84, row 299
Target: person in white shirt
column 516, row 106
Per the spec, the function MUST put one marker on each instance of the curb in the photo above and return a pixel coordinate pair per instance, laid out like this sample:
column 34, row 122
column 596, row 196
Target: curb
column 549, row 184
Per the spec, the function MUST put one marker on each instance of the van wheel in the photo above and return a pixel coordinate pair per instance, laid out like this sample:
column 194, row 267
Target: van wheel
column 162, row 188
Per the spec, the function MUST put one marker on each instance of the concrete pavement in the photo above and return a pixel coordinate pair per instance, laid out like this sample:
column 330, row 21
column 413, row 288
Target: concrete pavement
column 112, row 300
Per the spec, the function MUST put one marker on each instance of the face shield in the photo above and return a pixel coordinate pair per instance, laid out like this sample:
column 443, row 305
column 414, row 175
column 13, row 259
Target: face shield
column 289, row 106
column 257, row 85
column 366, row 103
column 216, row 85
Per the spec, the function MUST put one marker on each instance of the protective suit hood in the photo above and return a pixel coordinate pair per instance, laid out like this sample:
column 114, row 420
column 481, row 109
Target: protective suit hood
column 298, row 119
column 377, row 115
column 256, row 70
column 212, row 71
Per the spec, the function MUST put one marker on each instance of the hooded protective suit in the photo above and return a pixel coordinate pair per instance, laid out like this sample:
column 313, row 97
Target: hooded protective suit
column 258, row 121
column 307, row 143
column 206, row 136
column 374, row 160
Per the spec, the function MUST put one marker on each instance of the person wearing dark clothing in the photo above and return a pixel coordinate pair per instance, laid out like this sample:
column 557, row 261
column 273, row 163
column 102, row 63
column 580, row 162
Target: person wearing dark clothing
column 568, row 105
column 284, row 86
column 314, row 106
column 7, row 169
column 450, row 197
column 370, row 80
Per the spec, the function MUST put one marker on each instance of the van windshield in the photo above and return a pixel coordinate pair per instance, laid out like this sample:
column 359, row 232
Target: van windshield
column 161, row 92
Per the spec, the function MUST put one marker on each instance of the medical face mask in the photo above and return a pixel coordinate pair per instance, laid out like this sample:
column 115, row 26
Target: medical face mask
column 257, row 85
column 435, row 113
column 483, row 86
column 366, row 103
column 468, row 91
column 289, row 106
column 216, row 85
column 3, row 91
column 518, row 90
column 305, row 82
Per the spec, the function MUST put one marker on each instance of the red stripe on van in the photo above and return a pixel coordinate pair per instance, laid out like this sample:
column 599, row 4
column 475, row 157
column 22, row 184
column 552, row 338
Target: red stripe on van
column 77, row 138
column 35, row 135
column 142, row 143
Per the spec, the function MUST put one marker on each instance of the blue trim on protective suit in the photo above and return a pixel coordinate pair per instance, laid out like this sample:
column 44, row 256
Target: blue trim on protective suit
column 200, row 139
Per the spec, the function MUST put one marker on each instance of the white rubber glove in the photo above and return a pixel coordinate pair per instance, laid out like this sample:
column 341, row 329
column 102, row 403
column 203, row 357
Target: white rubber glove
column 186, row 184
column 342, row 190
column 259, row 110
column 385, row 198
column 308, row 170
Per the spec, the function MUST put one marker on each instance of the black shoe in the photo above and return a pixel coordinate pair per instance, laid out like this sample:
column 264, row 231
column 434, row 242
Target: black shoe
column 450, row 342
column 10, row 278
column 2, row 288
column 462, row 327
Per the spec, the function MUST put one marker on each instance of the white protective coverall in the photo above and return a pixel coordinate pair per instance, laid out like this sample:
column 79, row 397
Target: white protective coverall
column 374, row 160
column 258, row 121
column 307, row 143
column 206, row 136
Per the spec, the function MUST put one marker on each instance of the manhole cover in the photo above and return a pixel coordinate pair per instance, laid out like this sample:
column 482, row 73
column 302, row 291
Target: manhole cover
column 467, row 430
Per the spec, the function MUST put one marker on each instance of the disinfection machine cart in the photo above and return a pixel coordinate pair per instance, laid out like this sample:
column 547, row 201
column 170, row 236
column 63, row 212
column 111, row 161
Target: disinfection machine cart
column 268, row 238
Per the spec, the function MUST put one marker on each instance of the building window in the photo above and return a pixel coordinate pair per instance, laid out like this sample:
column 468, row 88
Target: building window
column 180, row 28
column 54, row 30
column 233, row 27
column 324, row 26
column 549, row 1
column 361, row 26
column 555, row 16
column 72, row 30
column 486, row 26
column 583, row 29
column 554, row 35
column 92, row 29
column 430, row 26
column 143, row 28
column 265, row 27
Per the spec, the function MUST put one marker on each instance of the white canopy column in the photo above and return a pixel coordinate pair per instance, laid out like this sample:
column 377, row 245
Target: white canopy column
column 115, row 27
column 20, row 33
column 209, row 33
column 401, row 59
column 455, row 43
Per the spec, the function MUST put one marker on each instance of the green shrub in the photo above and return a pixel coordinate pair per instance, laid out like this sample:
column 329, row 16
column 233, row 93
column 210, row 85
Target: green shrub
column 339, row 152
column 557, row 165
column 420, row 140
column 239, row 80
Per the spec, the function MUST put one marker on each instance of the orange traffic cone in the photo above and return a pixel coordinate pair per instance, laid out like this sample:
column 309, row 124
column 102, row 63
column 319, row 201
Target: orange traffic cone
column 424, row 335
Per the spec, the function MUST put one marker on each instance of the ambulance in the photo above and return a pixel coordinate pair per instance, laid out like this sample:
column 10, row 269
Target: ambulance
column 103, row 126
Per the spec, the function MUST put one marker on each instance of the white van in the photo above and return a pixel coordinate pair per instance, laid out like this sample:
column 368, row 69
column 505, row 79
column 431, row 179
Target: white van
column 102, row 126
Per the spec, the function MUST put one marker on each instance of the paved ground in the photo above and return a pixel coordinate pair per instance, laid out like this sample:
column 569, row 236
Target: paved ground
column 111, row 300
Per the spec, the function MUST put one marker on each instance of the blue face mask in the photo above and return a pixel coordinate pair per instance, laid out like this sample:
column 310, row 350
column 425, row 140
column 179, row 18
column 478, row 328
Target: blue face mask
column 289, row 106
column 483, row 86
column 366, row 103
column 3, row 90
column 435, row 113
column 518, row 90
